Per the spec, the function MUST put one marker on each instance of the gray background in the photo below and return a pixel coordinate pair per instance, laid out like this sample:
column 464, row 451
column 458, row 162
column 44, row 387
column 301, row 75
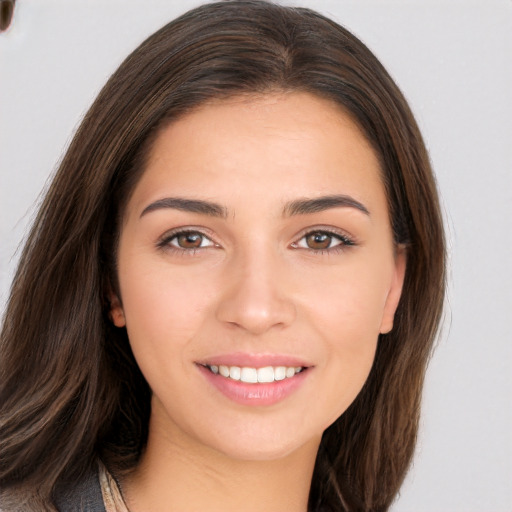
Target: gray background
column 453, row 60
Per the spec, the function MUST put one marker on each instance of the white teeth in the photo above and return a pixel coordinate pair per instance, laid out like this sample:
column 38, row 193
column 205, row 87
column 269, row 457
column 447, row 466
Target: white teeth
column 254, row 375
column 234, row 372
column 249, row 375
column 290, row 372
column 280, row 373
column 266, row 374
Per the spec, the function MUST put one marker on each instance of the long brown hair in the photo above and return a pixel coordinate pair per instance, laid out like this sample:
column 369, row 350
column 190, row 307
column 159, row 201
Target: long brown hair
column 70, row 389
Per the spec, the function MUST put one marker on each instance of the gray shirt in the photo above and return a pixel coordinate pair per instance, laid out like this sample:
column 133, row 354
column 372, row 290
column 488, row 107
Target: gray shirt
column 83, row 497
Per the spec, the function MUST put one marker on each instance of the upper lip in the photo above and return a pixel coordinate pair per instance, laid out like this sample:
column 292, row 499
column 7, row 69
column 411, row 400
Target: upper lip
column 254, row 360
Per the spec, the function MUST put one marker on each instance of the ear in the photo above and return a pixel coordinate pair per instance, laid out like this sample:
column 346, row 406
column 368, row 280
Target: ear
column 116, row 311
column 395, row 290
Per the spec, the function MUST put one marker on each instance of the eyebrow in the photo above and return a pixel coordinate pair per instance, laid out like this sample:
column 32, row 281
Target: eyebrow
column 319, row 204
column 187, row 205
column 296, row 207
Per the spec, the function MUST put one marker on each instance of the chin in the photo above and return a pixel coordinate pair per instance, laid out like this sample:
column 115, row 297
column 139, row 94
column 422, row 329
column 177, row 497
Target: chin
column 256, row 442
column 262, row 451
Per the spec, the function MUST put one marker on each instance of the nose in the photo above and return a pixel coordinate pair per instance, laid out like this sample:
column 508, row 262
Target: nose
column 257, row 297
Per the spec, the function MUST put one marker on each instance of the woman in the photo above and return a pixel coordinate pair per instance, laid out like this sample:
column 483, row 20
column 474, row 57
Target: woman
column 234, row 281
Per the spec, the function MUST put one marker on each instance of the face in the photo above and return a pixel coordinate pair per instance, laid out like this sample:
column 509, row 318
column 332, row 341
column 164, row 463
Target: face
column 256, row 271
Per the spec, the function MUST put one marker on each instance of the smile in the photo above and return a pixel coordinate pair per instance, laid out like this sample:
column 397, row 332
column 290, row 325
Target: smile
column 251, row 375
column 255, row 380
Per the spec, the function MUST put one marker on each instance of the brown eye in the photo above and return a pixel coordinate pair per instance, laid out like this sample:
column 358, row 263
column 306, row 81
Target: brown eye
column 186, row 241
column 189, row 240
column 318, row 240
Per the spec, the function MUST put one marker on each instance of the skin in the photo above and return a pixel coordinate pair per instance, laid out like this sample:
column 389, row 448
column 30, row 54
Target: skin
column 257, row 285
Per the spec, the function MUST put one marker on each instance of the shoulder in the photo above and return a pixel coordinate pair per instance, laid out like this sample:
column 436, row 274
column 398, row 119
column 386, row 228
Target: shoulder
column 83, row 496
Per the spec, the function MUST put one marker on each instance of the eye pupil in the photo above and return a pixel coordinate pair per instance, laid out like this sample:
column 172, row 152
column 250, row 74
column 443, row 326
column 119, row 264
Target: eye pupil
column 190, row 240
column 318, row 240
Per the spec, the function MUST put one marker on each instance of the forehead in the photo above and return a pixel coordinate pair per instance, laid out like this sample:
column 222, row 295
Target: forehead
column 281, row 145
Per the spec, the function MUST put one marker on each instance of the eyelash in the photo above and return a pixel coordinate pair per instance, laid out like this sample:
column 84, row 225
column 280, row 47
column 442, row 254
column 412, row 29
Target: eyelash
column 165, row 242
column 345, row 241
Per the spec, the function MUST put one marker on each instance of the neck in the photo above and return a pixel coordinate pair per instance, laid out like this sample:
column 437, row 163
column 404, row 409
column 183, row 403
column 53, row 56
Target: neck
column 175, row 475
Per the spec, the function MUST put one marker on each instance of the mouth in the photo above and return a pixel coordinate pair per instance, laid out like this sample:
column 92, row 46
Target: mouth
column 252, row 375
column 255, row 380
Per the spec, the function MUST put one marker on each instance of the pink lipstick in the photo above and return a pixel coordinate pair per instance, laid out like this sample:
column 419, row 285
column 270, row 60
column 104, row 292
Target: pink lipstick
column 255, row 379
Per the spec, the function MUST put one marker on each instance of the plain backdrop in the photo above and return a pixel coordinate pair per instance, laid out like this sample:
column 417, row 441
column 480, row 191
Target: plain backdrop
column 453, row 60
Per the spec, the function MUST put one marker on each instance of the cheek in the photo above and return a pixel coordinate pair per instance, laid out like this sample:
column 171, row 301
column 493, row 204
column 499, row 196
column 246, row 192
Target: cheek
column 348, row 302
column 163, row 309
column 164, row 312
column 346, row 314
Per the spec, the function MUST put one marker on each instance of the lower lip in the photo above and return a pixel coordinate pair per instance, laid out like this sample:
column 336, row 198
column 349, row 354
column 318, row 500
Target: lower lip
column 267, row 393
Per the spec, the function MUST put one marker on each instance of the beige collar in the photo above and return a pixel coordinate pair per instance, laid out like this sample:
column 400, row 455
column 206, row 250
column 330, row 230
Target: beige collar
column 112, row 497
